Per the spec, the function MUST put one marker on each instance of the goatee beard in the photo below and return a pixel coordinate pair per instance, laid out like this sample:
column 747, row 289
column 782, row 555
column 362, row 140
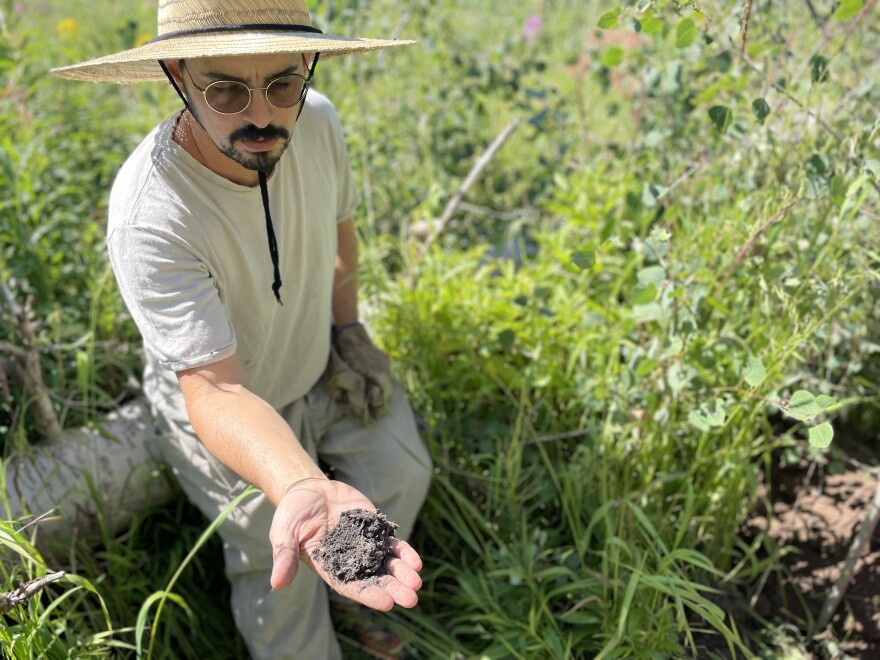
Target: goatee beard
column 260, row 161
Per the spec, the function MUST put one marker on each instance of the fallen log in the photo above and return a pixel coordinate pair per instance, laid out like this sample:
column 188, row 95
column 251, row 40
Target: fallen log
column 95, row 479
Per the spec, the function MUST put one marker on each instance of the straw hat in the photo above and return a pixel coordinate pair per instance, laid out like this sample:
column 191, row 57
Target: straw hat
column 209, row 28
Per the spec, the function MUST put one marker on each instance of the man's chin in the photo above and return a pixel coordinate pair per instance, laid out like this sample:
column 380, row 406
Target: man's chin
column 257, row 161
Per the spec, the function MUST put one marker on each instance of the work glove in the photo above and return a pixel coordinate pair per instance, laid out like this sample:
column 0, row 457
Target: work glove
column 347, row 387
column 354, row 346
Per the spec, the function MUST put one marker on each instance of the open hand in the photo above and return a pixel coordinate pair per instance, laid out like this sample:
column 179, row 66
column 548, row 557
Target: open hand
column 305, row 514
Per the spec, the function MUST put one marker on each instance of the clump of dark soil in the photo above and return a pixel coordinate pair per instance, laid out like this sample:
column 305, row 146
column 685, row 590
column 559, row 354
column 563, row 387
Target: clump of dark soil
column 357, row 547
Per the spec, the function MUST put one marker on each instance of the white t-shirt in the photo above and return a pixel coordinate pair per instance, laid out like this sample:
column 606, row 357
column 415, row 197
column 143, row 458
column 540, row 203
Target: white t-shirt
column 191, row 255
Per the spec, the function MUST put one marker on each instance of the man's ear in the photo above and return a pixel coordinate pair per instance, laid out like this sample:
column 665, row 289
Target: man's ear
column 174, row 69
column 308, row 62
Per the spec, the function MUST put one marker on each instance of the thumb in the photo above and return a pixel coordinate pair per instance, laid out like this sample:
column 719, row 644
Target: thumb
column 285, row 563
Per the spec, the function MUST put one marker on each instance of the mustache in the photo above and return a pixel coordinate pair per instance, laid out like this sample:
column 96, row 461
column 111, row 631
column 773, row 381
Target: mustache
column 251, row 132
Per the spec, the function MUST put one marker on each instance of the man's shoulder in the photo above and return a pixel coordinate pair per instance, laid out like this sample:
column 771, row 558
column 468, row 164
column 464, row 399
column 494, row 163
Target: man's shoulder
column 316, row 102
column 319, row 112
column 142, row 177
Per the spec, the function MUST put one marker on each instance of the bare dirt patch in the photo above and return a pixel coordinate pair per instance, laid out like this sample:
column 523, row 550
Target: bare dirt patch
column 815, row 511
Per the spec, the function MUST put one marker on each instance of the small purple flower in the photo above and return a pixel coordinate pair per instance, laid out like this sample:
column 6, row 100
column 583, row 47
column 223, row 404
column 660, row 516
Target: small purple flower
column 18, row 7
column 532, row 27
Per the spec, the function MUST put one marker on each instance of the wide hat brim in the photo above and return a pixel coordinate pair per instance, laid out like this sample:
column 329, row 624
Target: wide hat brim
column 142, row 64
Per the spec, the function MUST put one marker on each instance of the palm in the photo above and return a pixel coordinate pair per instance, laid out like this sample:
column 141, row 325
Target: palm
column 304, row 517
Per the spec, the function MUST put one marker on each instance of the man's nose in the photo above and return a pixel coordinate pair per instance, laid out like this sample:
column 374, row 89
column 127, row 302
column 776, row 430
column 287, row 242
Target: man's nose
column 259, row 112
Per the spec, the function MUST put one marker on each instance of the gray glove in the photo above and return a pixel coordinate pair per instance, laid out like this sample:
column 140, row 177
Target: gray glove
column 346, row 386
column 358, row 352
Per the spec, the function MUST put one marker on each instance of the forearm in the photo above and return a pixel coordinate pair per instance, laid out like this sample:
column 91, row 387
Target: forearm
column 249, row 437
column 345, row 284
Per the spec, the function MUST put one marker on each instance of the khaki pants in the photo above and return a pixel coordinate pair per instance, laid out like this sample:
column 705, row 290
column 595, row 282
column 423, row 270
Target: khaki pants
column 386, row 461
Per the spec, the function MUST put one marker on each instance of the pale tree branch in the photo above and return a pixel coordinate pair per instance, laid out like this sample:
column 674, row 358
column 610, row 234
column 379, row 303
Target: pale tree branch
column 12, row 599
column 27, row 357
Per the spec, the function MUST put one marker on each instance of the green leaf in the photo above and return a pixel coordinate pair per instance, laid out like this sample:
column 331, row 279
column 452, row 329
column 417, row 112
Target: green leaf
column 653, row 193
column 855, row 197
column 584, row 260
column 651, row 275
column 698, row 420
column 721, row 116
column 612, row 57
column 651, row 24
column 645, row 296
column 803, row 406
column 705, row 419
column 717, row 416
column 609, row 19
column 647, row 366
column 685, row 33
column 754, row 372
column 647, row 313
column 848, row 9
column 761, row 109
column 821, row 436
column 825, row 402
column 506, row 338
column 819, row 68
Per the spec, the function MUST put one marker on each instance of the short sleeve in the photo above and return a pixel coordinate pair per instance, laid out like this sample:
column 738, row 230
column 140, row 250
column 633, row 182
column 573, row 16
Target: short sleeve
column 171, row 295
column 347, row 195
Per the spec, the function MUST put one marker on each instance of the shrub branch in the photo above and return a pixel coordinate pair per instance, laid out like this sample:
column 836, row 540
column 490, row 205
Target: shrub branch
column 12, row 599
column 749, row 243
column 27, row 360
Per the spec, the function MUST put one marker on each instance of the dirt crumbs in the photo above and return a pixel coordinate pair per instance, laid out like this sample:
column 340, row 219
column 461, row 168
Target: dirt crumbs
column 816, row 512
column 357, row 547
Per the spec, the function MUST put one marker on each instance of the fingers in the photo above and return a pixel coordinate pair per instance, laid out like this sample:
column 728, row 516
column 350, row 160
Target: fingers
column 405, row 575
column 285, row 563
column 405, row 552
column 400, row 593
column 372, row 596
column 382, row 595
column 375, row 395
column 347, row 390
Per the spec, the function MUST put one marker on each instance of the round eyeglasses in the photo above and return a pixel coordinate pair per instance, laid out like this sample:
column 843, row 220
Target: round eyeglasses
column 230, row 97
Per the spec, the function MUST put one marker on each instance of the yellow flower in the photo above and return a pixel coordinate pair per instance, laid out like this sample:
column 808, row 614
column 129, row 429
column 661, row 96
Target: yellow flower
column 141, row 40
column 68, row 28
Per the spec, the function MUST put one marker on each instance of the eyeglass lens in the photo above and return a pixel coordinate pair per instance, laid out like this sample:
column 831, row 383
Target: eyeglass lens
column 230, row 97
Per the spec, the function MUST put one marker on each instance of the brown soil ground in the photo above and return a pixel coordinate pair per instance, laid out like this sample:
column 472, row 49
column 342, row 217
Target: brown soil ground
column 816, row 510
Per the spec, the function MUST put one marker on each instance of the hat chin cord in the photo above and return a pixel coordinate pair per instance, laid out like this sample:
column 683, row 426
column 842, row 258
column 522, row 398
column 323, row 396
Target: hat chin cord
column 261, row 174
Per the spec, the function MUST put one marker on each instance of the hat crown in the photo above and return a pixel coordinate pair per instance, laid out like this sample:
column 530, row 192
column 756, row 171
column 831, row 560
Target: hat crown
column 177, row 15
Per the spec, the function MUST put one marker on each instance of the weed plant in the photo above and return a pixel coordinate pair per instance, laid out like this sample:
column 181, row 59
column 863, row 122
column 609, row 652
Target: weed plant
column 668, row 273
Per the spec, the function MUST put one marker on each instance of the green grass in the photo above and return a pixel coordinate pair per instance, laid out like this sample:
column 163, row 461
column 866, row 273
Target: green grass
column 602, row 346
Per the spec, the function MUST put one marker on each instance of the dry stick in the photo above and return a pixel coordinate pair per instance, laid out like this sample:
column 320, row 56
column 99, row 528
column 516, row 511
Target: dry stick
column 855, row 550
column 28, row 358
column 457, row 198
column 12, row 599
column 749, row 243
column 553, row 437
column 818, row 20
column 745, row 27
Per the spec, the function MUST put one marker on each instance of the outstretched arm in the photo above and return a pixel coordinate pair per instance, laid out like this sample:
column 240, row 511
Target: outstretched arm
column 247, row 435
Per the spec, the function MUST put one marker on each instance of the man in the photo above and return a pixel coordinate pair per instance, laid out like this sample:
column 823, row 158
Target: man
column 232, row 240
